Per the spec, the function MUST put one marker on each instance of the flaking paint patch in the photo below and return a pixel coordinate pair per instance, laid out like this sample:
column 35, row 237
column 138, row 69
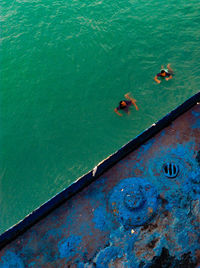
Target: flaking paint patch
column 136, row 204
column 11, row 259
column 196, row 125
column 101, row 219
column 69, row 247
column 147, row 146
column 106, row 256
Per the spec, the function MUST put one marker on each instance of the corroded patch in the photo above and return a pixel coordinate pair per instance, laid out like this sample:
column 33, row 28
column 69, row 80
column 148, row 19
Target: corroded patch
column 136, row 204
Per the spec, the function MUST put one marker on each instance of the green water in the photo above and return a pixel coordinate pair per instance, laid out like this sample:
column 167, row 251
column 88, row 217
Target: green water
column 65, row 65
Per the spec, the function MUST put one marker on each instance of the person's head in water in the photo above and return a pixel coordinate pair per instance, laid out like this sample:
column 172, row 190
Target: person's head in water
column 163, row 73
column 122, row 104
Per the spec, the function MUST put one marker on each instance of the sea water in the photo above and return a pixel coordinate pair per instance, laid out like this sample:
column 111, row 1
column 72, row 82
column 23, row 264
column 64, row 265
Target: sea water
column 65, row 65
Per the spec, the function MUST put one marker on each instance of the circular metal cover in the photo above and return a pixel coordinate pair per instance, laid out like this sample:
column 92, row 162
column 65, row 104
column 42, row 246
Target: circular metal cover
column 170, row 169
column 133, row 201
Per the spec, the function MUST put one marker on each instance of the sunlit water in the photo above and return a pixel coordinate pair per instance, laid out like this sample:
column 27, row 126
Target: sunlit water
column 65, row 65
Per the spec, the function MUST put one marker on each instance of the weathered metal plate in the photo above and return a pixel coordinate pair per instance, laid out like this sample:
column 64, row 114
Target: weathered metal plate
column 133, row 215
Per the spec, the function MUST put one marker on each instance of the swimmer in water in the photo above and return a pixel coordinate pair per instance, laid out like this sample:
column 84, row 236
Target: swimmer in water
column 125, row 104
column 167, row 74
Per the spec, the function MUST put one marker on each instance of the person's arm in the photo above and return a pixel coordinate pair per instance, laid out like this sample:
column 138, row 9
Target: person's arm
column 117, row 112
column 132, row 100
column 157, row 80
column 168, row 78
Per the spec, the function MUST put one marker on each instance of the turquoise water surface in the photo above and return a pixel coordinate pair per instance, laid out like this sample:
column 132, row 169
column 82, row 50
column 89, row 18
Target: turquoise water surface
column 65, row 65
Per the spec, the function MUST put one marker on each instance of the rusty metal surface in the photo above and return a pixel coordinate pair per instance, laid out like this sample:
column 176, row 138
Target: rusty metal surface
column 142, row 212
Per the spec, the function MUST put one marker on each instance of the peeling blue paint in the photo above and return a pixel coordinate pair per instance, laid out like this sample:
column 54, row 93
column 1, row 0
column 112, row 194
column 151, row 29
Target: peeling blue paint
column 101, row 219
column 197, row 123
column 68, row 247
column 11, row 259
column 124, row 222
column 80, row 265
column 145, row 147
column 125, row 239
column 107, row 255
column 182, row 155
column 134, row 202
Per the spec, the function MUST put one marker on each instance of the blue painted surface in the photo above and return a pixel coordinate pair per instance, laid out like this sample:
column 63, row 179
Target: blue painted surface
column 130, row 215
column 197, row 123
column 134, row 202
column 11, row 260
column 101, row 219
column 38, row 214
column 107, row 256
column 68, row 247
